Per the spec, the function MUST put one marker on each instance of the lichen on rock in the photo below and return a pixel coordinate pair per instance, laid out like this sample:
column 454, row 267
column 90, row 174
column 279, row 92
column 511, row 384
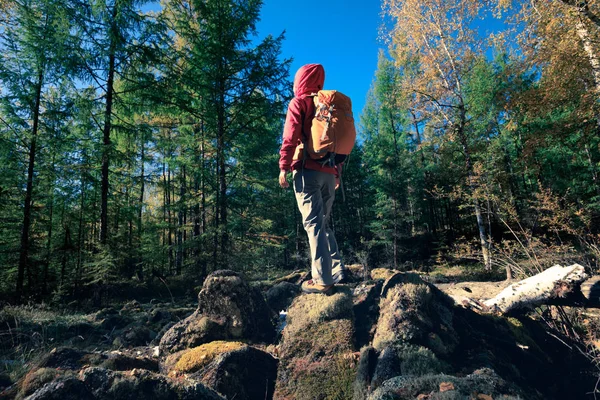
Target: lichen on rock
column 192, row 360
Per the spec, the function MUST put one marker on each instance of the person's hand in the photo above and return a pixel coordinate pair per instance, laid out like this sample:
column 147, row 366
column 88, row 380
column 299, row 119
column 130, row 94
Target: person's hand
column 283, row 180
column 337, row 182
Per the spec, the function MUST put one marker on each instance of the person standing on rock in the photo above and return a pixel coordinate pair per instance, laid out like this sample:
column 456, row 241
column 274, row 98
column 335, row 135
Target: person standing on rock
column 314, row 184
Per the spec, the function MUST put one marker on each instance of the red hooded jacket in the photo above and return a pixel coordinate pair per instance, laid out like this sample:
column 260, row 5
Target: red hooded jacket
column 308, row 81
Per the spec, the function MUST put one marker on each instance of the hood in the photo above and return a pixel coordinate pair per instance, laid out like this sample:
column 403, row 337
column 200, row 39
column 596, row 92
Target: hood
column 309, row 79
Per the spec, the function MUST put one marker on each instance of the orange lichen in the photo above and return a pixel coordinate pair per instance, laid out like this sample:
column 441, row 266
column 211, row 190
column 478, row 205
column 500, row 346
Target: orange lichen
column 196, row 358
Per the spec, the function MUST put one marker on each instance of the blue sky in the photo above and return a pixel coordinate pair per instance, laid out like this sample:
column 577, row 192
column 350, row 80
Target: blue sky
column 340, row 34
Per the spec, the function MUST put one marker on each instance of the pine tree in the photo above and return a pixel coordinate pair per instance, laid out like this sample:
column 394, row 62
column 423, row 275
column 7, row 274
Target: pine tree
column 34, row 58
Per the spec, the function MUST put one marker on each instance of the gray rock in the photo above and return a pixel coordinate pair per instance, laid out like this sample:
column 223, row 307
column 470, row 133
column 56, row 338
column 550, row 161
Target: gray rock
column 67, row 388
column 141, row 384
column 244, row 374
column 228, row 308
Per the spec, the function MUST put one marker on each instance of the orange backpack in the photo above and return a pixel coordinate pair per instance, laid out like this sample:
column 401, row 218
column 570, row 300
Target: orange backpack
column 332, row 132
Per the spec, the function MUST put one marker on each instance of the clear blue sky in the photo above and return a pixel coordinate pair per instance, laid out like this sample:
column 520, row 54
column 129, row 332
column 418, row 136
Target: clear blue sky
column 340, row 34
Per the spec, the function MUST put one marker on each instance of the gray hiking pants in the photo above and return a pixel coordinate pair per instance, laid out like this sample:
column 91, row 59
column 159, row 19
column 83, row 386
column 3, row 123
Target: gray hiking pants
column 315, row 193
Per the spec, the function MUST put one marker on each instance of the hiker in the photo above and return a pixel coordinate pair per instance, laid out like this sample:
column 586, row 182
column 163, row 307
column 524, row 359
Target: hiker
column 314, row 183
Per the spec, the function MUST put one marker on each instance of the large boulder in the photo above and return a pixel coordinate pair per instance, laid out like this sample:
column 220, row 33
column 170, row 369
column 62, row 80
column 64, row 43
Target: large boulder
column 426, row 347
column 415, row 313
column 141, row 384
column 317, row 350
column 246, row 373
column 482, row 384
column 228, row 309
column 233, row 369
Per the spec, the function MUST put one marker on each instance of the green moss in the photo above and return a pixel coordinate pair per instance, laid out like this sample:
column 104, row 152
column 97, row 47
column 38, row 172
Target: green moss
column 399, row 309
column 317, row 360
column 327, row 379
column 325, row 339
column 416, row 360
column 315, row 308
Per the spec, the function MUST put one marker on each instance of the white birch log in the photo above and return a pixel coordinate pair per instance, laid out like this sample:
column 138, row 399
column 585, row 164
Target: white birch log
column 552, row 283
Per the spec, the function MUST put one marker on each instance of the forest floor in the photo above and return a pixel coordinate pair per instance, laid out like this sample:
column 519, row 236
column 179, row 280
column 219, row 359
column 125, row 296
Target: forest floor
column 135, row 327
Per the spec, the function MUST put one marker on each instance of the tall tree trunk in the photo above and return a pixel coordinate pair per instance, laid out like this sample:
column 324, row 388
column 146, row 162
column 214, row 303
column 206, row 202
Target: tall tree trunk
column 80, row 243
column 24, row 248
column 107, row 127
column 169, row 221
column 49, row 242
column 180, row 221
column 140, row 266
column 196, row 209
column 485, row 250
column 426, row 175
column 164, row 175
column 222, row 183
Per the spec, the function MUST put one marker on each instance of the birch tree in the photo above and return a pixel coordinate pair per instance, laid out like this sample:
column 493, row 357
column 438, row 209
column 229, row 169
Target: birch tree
column 437, row 38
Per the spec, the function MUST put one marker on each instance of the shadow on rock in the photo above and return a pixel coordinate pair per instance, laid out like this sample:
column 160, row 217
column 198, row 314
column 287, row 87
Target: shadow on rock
column 228, row 309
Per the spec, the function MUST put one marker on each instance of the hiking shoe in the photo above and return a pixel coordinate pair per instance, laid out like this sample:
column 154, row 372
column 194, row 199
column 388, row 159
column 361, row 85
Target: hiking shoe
column 339, row 277
column 312, row 287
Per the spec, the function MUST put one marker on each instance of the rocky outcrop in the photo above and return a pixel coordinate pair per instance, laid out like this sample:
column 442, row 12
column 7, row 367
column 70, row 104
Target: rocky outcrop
column 228, row 309
column 425, row 347
column 415, row 344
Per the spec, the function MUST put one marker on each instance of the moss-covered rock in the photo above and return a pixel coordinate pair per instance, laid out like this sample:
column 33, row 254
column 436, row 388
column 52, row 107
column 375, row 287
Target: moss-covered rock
column 37, row 378
column 141, row 384
column 316, row 354
column 365, row 370
column 244, row 373
column 311, row 309
column 188, row 361
column 417, row 314
column 63, row 388
column 228, row 308
column 441, row 387
column 405, row 359
column 193, row 331
column 66, row 358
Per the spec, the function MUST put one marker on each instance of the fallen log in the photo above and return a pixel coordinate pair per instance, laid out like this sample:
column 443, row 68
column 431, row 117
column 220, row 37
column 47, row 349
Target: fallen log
column 553, row 284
